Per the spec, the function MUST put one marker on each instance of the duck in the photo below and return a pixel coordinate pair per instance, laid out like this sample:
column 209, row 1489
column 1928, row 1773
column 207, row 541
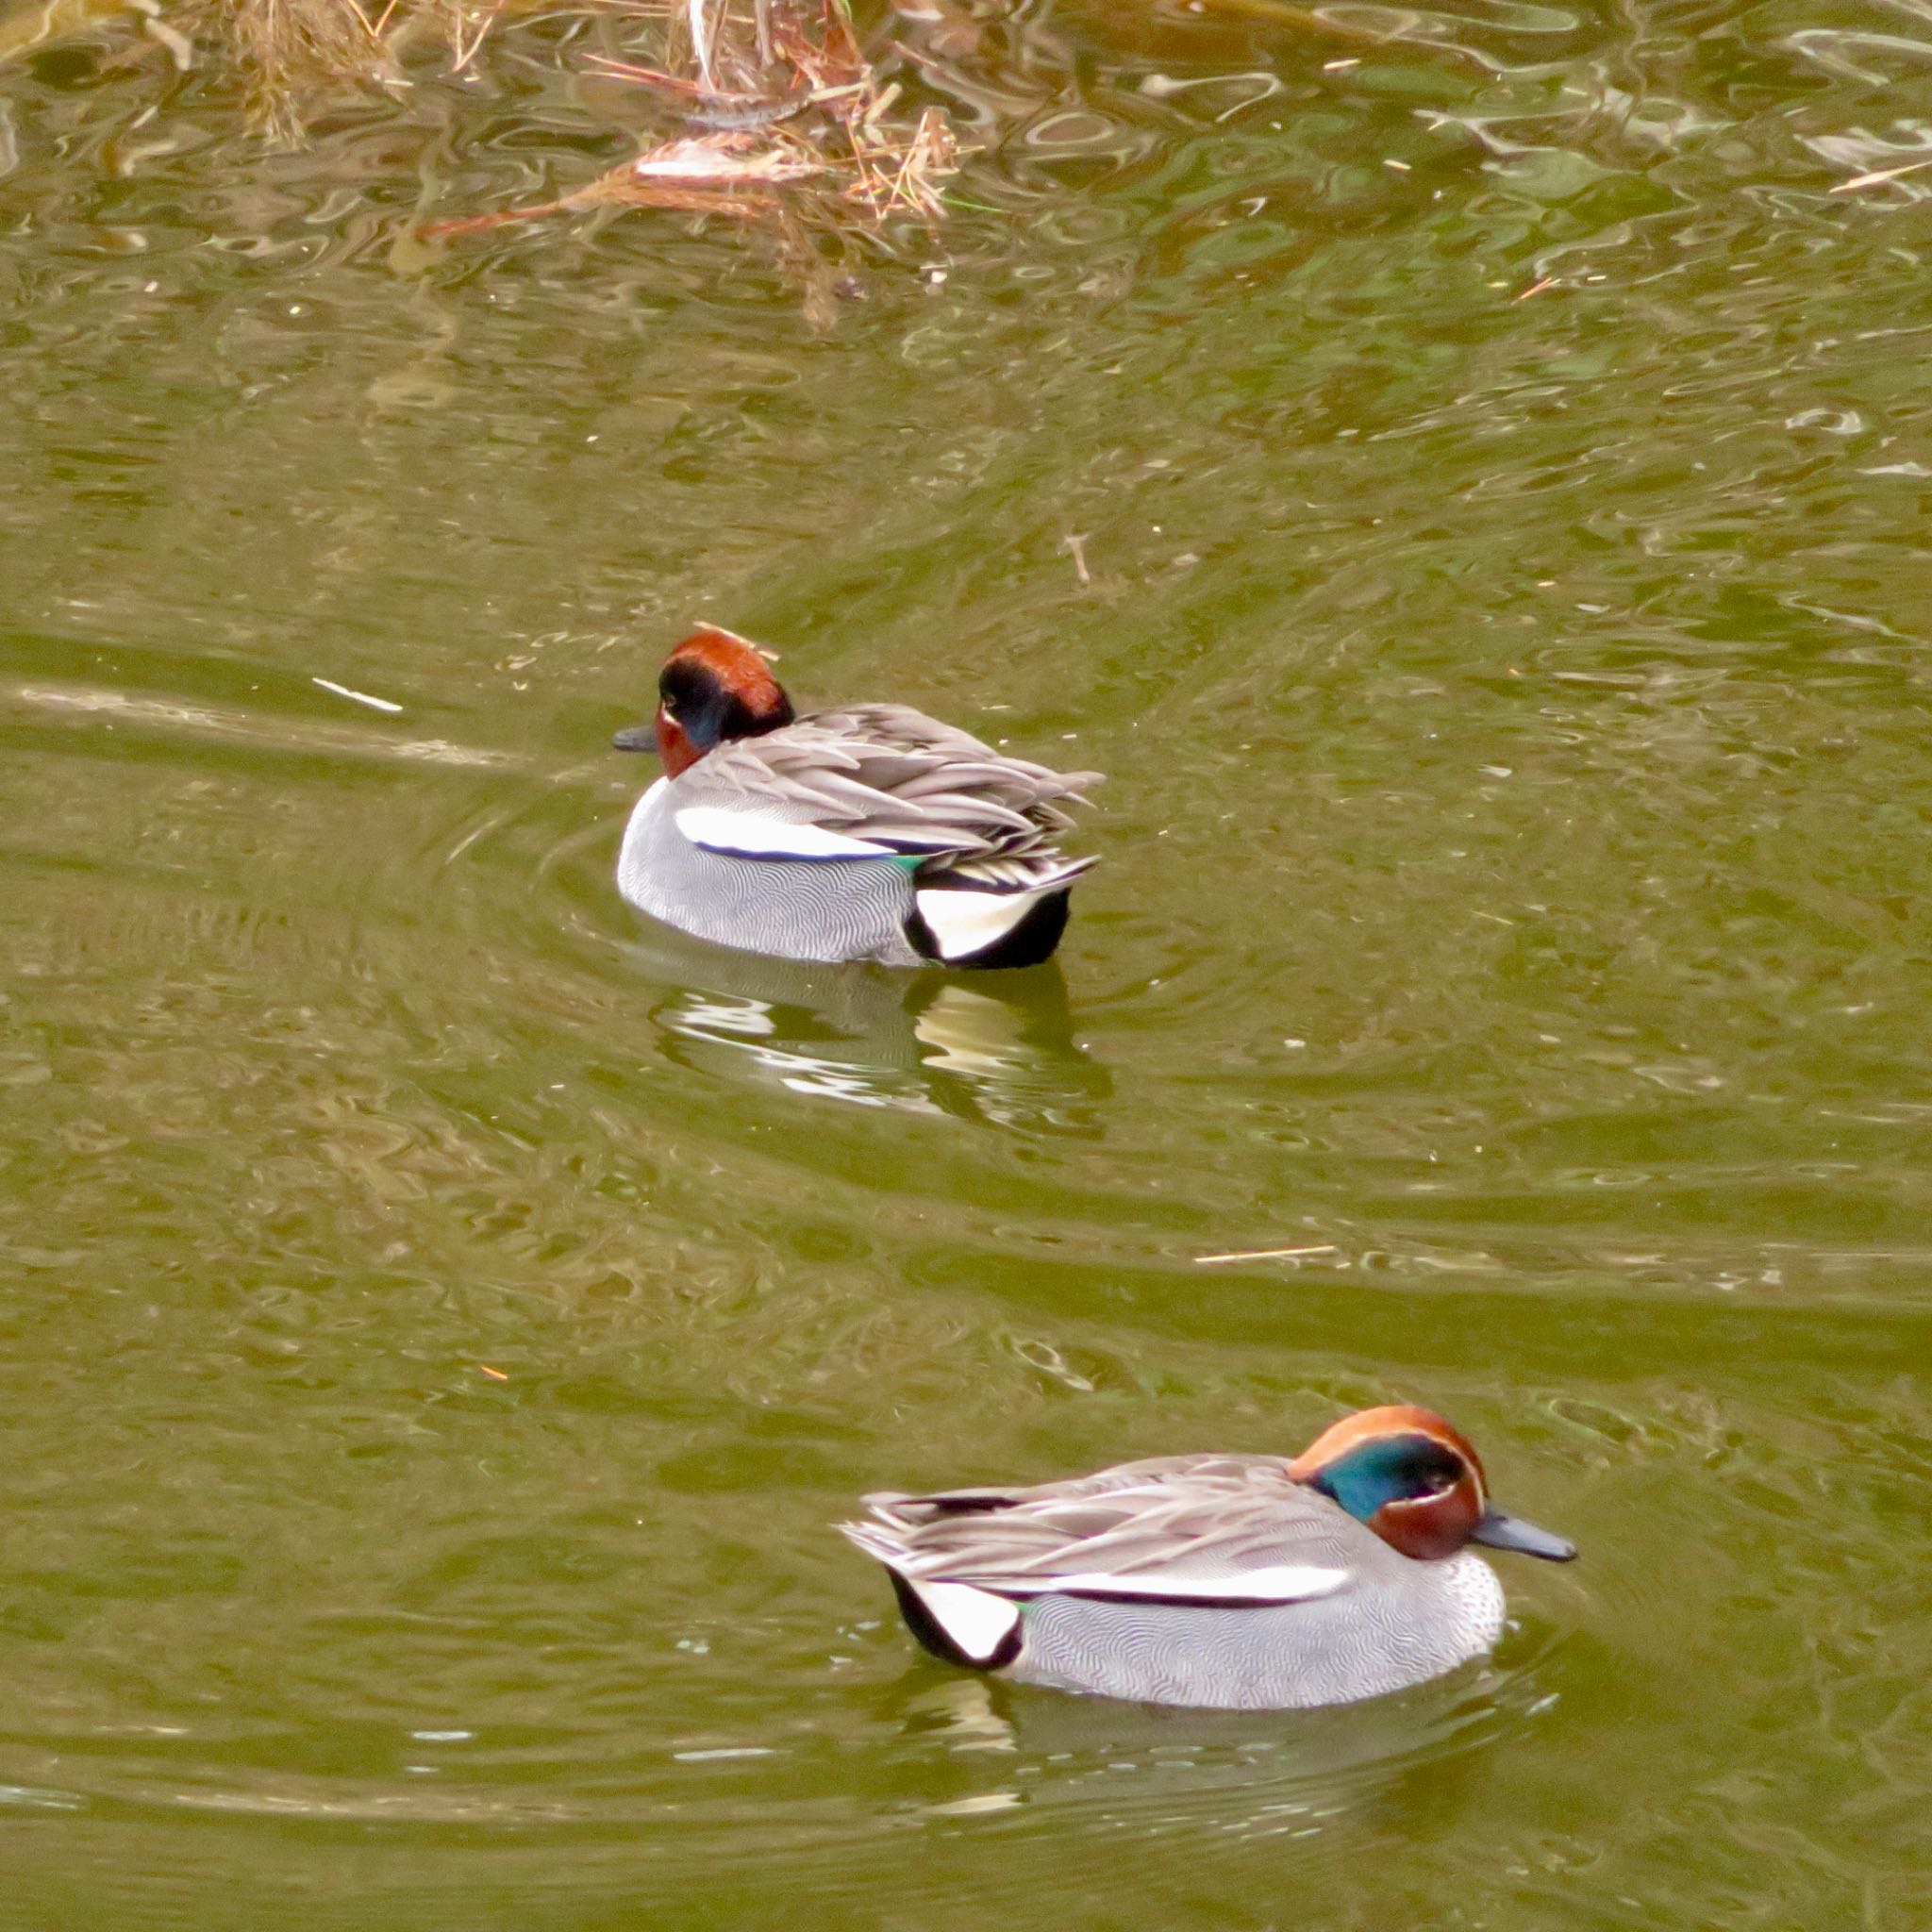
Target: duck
column 868, row 832
column 1228, row 1582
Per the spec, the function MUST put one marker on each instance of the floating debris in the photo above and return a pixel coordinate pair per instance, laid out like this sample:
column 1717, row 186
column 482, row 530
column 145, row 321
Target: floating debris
column 360, row 697
column 1881, row 175
column 787, row 126
column 1264, row 1254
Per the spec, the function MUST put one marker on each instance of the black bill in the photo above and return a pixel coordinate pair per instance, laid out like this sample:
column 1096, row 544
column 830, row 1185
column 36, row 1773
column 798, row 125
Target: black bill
column 1511, row 1533
column 635, row 738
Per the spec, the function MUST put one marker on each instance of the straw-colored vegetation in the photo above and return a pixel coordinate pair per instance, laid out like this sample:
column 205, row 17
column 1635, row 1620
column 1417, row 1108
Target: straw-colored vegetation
column 773, row 113
column 787, row 125
column 776, row 115
column 291, row 52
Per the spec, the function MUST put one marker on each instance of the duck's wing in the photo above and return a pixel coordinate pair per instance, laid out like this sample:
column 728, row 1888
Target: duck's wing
column 876, row 781
column 1208, row 1530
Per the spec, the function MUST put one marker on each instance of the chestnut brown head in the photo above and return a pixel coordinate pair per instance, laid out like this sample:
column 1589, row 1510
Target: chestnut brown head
column 1418, row 1484
column 715, row 686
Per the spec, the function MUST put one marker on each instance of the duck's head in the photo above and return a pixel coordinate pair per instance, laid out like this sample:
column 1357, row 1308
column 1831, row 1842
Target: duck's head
column 1417, row 1483
column 714, row 686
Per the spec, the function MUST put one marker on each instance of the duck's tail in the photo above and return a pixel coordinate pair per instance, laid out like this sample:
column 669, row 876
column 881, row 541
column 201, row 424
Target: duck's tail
column 995, row 911
column 953, row 1620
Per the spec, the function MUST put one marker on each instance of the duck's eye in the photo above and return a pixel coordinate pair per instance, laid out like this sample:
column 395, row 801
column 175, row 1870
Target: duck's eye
column 1439, row 1484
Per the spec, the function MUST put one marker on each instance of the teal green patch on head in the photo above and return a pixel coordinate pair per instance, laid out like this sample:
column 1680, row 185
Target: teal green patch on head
column 1368, row 1475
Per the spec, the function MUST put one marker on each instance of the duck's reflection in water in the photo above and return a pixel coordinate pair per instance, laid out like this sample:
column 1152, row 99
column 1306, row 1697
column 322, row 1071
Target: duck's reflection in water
column 998, row 1047
column 1246, row 1773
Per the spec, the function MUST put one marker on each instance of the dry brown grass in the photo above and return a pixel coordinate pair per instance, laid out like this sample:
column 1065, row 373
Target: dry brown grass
column 775, row 118
column 787, row 126
column 291, row 52
column 293, row 55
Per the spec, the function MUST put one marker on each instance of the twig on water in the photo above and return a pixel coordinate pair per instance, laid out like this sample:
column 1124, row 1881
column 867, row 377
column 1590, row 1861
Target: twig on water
column 1264, row 1254
column 1881, row 175
column 701, row 38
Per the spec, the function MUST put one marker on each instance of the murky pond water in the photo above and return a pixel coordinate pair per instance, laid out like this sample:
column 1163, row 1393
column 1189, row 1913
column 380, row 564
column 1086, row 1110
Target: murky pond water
column 1469, row 491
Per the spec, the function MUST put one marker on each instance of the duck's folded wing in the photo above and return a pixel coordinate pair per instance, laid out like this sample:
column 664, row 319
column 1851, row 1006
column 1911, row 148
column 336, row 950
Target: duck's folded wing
column 1224, row 1533
column 870, row 781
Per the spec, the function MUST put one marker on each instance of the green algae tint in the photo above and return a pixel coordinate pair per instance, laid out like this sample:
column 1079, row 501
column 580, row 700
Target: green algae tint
column 1472, row 503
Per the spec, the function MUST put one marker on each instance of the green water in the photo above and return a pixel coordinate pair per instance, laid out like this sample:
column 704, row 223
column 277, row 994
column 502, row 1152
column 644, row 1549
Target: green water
column 441, row 1317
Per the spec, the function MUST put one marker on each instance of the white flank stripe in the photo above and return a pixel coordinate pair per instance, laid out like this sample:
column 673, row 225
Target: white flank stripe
column 744, row 835
column 963, row 923
column 975, row 1620
column 1283, row 1583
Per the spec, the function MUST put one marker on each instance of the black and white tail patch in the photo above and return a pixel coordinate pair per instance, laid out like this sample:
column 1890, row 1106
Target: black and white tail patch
column 988, row 930
column 959, row 1625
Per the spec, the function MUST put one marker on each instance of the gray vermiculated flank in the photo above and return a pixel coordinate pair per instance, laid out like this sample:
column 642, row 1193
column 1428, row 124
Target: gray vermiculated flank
column 1333, row 1650
column 848, row 908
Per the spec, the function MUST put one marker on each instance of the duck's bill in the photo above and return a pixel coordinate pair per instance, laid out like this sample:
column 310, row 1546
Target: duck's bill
column 635, row 738
column 1511, row 1533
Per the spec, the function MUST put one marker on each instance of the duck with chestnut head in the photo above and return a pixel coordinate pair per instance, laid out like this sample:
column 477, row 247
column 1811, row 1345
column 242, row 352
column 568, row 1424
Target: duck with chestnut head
column 1240, row 1582
column 866, row 832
